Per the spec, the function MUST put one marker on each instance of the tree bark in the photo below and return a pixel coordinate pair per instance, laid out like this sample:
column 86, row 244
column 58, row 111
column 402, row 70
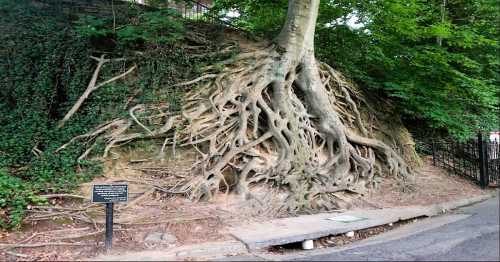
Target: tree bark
column 297, row 34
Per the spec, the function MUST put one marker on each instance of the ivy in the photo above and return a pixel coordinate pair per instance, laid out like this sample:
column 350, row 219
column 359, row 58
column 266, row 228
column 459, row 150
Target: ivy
column 45, row 66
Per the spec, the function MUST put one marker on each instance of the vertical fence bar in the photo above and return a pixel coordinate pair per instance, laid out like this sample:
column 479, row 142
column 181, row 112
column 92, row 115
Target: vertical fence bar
column 433, row 153
column 458, row 153
column 483, row 165
column 464, row 155
column 494, row 162
column 472, row 158
column 448, row 156
column 456, row 163
column 454, row 156
column 477, row 167
column 460, row 158
column 444, row 154
column 439, row 154
column 486, row 158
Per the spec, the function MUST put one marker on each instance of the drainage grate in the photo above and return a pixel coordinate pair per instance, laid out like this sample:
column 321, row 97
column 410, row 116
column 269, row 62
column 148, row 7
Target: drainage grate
column 346, row 218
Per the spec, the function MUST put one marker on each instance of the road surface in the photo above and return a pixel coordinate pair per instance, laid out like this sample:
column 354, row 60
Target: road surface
column 471, row 234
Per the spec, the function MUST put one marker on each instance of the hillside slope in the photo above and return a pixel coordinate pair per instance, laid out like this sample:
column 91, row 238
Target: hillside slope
column 46, row 63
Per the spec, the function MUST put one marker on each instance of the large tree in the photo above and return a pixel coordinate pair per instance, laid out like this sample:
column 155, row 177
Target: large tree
column 276, row 115
column 437, row 60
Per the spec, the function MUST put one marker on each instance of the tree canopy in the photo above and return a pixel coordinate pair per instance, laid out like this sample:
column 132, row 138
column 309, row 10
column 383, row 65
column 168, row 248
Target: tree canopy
column 437, row 59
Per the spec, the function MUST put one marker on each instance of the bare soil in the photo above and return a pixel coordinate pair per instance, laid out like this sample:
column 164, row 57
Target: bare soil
column 151, row 210
column 431, row 185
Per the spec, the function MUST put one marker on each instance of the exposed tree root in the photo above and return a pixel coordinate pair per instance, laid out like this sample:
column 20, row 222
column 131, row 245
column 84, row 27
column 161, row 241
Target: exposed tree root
column 262, row 118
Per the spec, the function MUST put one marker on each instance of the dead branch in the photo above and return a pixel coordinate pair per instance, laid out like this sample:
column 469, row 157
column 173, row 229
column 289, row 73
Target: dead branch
column 63, row 195
column 81, row 235
column 12, row 253
column 91, row 234
column 52, row 232
column 92, row 86
column 173, row 220
column 108, row 60
column 31, row 245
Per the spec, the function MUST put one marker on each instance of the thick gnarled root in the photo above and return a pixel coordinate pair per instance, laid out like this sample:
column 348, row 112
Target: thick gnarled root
column 299, row 129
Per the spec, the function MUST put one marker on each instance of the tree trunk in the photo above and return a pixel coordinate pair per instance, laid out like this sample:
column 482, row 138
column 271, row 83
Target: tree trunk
column 297, row 35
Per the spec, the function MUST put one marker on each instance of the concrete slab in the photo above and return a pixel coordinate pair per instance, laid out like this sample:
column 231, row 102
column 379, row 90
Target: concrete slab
column 203, row 251
column 396, row 234
column 297, row 229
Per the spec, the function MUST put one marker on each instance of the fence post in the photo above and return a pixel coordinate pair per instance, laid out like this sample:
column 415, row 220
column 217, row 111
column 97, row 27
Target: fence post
column 483, row 161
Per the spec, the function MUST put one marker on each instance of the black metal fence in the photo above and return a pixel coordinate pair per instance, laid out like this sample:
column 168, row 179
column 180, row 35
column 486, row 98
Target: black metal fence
column 477, row 159
column 196, row 11
column 493, row 153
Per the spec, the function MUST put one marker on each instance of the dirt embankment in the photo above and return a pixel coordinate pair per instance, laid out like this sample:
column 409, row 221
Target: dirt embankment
column 73, row 229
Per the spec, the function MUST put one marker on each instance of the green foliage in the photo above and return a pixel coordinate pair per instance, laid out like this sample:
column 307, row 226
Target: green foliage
column 91, row 26
column 14, row 197
column 258, row 16
column 391, row 48
column 454, row 85
column 157, row 27
column 45, row 66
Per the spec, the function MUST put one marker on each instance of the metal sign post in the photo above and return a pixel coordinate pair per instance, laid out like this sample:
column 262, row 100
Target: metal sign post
column 108, row 243
column 109, row 194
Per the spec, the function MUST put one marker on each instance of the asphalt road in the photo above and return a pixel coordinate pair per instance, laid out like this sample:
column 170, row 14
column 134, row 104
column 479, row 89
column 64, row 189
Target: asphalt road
column 473, row 236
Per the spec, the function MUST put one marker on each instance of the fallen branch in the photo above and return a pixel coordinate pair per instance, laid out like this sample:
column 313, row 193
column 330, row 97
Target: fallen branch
column 17, row 254
column 132, row 161
column 51, row 232
column 108, row 60
column 63, row 195
column 42, row 245
column 92, row 86
column 22, row 241
column 91, row 234
column 173, row 220
column 81, row 235
column 57, row 208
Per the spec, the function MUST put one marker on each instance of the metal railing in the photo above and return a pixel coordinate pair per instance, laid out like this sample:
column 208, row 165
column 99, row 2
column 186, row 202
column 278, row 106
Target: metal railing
column 493, row 164
column 477, row 159
column 196, row 11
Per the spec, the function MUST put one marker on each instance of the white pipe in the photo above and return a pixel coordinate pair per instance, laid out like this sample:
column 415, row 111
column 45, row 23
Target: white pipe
column 307, row 244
